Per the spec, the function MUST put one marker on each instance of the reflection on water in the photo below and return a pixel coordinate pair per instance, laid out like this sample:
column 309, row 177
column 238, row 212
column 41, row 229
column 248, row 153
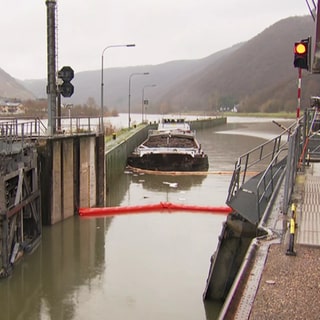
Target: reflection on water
column 159, row 182
column 151, row 266
column 71, row 255
column 117, row 190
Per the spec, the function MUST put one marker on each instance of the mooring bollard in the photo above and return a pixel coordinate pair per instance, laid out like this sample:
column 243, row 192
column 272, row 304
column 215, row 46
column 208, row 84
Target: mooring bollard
column 290, row 251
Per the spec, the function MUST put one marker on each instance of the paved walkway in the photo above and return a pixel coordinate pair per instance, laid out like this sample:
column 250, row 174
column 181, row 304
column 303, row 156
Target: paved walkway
column 289, row 287
column 280, row 286
column 308, row 232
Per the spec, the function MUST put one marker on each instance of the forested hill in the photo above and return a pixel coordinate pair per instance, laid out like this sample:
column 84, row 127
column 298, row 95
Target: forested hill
column 11, row 88
column 257, row 75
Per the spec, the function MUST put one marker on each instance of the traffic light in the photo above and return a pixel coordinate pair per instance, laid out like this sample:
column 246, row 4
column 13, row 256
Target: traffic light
column 302, row 54
column 66, row 74
column 66, row 89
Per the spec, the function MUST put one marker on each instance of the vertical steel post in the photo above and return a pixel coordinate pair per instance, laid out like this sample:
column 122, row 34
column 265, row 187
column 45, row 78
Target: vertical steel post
column 102, row 84
column 51, row 65
column 316, row 57
column 299, row 93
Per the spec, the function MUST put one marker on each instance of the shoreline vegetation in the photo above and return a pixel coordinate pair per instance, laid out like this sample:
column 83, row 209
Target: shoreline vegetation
column 285, row 115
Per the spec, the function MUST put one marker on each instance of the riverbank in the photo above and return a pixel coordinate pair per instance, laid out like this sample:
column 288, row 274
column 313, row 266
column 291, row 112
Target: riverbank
column 276, row 115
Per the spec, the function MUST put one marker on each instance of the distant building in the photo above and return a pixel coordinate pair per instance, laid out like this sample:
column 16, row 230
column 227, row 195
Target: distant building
column 229, row 109
column 11, row 107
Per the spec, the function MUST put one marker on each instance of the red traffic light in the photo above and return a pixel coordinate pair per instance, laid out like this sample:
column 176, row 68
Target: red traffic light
column 302, row 54
column 300, row 48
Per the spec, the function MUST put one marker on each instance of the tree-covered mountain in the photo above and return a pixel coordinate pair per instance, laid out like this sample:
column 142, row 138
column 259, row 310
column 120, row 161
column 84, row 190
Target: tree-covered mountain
column 257, row 75
column 13, row 89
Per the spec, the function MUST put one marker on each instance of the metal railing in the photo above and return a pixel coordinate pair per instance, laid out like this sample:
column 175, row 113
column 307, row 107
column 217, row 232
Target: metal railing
column 268, row 181
column 287, row 158
column 255, row 160
column 270, row 160
column 295, row 152
column 78, row 125
column 312, row 123
column 22, row 127
column 17, row 133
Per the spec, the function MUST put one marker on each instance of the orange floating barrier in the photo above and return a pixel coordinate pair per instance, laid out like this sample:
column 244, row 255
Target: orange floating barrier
column 112, row 211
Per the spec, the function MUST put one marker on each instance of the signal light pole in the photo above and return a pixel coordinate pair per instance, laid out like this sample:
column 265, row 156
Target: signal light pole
column 302, row 54
column 51, row 66
column 299, row 93
column 302, row 57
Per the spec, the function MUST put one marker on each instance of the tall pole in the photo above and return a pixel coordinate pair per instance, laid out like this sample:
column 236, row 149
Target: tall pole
column 102, row 84
column 316, row 57
column 129, row 98
column 299, row 93
column 51, row 66
column 142, row 105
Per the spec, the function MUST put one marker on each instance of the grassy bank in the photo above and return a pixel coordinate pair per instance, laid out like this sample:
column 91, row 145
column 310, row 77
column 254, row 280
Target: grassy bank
column 285, row 115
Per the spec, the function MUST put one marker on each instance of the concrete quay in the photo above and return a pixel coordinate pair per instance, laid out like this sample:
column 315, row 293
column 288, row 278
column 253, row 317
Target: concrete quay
column 281, row 281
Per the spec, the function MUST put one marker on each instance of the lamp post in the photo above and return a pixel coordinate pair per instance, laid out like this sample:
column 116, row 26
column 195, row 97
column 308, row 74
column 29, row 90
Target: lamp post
column 131, row 75
column 142, row 106
column 102, row 84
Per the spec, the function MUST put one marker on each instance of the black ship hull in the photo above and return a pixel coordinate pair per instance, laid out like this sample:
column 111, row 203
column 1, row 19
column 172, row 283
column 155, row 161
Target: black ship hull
column 169, row 162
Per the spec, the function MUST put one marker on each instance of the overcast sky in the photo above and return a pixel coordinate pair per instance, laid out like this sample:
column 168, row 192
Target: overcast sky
column 163, row 30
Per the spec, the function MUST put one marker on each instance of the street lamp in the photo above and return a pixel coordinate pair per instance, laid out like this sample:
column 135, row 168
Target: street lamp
column 131, row 75
column 142, row 106
column 112, row 46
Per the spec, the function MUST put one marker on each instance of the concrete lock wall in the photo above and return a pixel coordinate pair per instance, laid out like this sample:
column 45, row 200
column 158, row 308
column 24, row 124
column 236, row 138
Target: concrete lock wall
column 56, row 210
column 68, row 176
column 87, row 181
column 116, row 157
column 207, row 123
column 62, row 180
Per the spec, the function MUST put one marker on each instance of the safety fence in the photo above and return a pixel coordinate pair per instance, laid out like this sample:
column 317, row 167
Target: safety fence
column 17, row 133
column 274, row 159
column 11, row 128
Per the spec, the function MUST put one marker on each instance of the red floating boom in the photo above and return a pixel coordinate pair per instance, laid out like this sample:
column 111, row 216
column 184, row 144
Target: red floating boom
column 111, row 211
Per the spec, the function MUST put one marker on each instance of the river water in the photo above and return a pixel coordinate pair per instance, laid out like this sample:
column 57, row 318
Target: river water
column 141, row 266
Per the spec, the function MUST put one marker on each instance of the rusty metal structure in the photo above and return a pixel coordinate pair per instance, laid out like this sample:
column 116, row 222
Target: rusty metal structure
column 20, row 212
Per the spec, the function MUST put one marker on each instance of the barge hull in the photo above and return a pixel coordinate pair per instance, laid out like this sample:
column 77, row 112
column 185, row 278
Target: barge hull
column 169, row 162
